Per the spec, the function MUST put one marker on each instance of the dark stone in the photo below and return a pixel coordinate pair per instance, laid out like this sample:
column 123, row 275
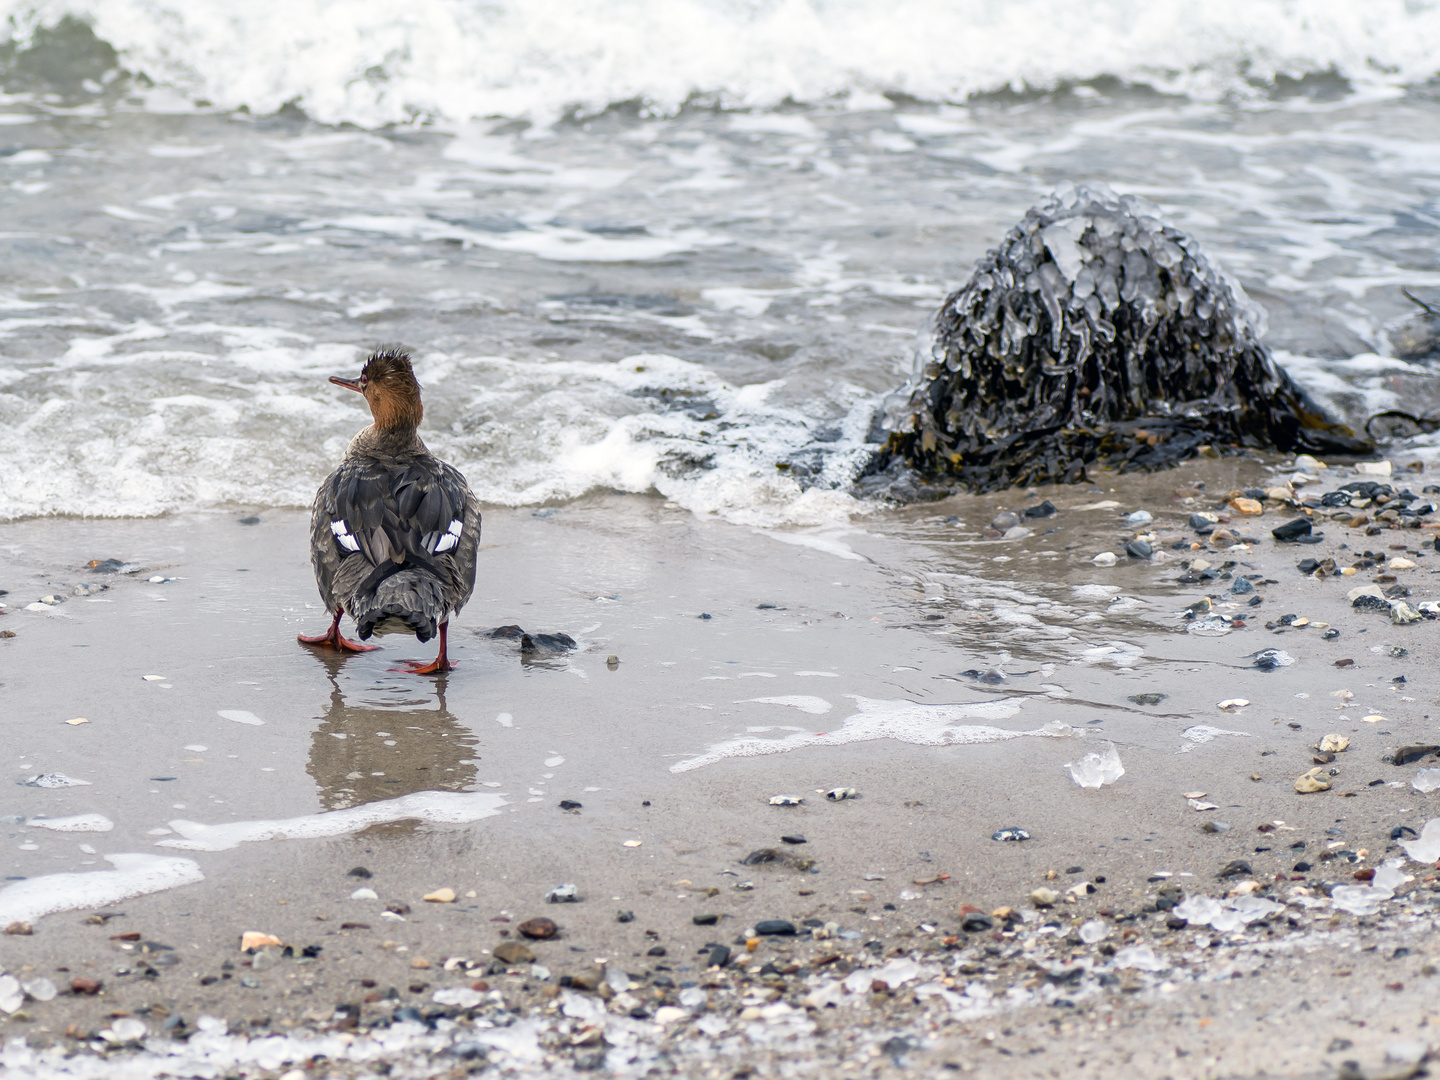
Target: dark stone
column 976, row 922
column 1150, row 698
column 1291, row 530
column 709, row 919
column 793, row 838
column 1302, row 867
column 774, row 926
column 656, row 950
column 359, row 872
column 1406, row 754
column 251, row 520
column 1399, row 831
column 1044, row 510
column 1308, row 566
column 1011, row 833
column 706, row 615
column 507, row 632
column 1139, row 549
column 539, row 645
column 540, row 929
column 570, row 804
column 760, row 856
column 1368, row 602
column 1242, row 585
column 624, row 916
column 719, row 956
column 1201, row 524
column 1236, row 868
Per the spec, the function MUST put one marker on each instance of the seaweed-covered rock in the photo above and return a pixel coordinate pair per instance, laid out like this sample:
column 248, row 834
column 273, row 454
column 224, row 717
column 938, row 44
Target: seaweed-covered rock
column 1095, row 334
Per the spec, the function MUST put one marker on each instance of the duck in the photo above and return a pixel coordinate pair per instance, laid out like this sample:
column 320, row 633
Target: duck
column 394, row 530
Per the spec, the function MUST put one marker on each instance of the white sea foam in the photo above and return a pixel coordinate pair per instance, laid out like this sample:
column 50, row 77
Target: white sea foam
column 807, row 703
column 372, row 63
column 905, row 721
column 134, row 875
column 77, row 823
column 439, row 807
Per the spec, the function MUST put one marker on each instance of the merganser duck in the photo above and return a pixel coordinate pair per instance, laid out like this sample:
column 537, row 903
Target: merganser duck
column 393, row 531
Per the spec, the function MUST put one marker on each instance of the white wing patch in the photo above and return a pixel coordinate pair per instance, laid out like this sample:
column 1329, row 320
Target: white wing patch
column 451, row 536
column 342, row 534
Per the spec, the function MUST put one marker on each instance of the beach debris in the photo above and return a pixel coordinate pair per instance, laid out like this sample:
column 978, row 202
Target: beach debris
column 1225, row 915
column 19, row 929
column 1196, row 804
column 1097, row 768
column 1373, row 718
column 1105, row 558
column 251, row 940
column 1230, row 704
column 538, row 929
column 1213, row 826
column 513, row 952
column 632, row 843
column 54, row 780
column 1011, row 834
column 785, row 800
column 1044, row 898
column 364, row 893
column 1402, row 613
column 1150, row 698
column 1333, row 744
column 612, row 661
column 563, row 894
column 1312, row 781
column 1406, row 754
column 77, row 721
column 440, row 896
column 1426, row 780
column 1094, row 931
column 570, row 805
column 1139, row 958
column 624, row 915
column 111, row 566
column 839, row 794
column 1270, row 659
column 1059, row 351
column 1139, row 517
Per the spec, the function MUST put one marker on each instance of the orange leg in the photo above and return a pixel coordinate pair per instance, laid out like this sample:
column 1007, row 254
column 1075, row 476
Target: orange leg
column 440, row 663
column 333, row 639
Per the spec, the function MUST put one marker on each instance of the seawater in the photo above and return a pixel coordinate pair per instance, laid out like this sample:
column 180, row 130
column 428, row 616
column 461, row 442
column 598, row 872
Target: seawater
column 679, row 248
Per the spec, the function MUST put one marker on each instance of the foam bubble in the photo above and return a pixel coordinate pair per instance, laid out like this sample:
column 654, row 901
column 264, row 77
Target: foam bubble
column 440, row 807
column 134, row 875
column 906, row 721
column 77, row 823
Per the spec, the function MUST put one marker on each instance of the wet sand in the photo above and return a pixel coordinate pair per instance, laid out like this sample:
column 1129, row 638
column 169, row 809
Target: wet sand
column 632, row 577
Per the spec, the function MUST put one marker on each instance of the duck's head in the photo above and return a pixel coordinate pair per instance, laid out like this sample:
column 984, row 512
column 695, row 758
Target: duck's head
column 388, row 382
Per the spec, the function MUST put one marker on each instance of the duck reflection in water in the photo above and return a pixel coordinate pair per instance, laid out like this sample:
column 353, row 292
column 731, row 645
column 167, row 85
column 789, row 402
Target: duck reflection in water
column 393, row 742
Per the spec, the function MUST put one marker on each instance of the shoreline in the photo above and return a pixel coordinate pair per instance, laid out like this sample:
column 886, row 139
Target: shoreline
column 930, row 796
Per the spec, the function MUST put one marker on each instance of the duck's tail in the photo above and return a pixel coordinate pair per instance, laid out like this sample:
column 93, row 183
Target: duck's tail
column 412, row 596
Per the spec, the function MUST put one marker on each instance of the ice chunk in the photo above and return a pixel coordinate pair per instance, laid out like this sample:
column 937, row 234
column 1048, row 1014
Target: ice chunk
column 1140, row 957
column 1094, row 930
column 1425, row 848
column 1064, row 250
column 1097, row 768
column 1426, row 780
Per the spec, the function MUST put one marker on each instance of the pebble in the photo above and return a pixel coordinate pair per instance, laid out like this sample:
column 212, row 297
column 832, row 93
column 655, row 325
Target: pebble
column 440, row 896
column 1224, row 538
column 1333, row 744
column 420, row 964
column 793, row 838
column 569, row 804
column 624, row 915
column 1402, row 613
column 1293, row 531
column 976, row 922
column 1044, row 510
column 1011, row 834
column 1312, row 781
column 364, row 894
column 1270, row 659
column 540, row 929
column 719, row 956
column 1105, row 558
column 1245, row 505
column 1044, row 898
column 1406, row 754
column 708, row 918
column 19, row 929
column 1235, row 868
column 255, row 939
column 841, row 793
column 785, row 800
column 775, row 927
column 1241, row 586
column 1233, row 703
column 1216, row 826
column 1139, row 549
column 612, row 661
column 1139, row 517
column 513, row 952
column 1005, row 519
column 563, row 894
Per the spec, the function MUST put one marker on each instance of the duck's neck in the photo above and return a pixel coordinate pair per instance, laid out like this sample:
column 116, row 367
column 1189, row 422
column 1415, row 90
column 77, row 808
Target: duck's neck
column 387, row 442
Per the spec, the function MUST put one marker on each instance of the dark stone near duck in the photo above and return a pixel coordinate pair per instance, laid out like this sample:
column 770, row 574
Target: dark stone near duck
column 538, row 645
column 1094, row 335
column 507, row 633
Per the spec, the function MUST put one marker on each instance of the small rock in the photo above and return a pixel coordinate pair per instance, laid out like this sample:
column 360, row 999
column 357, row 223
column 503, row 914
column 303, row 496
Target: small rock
column 1044, row 510
column 793, row 838
column 420, row 964
column 1139, row 517
column 625, row 915
column 1333, row 744
column 513, row 952
column 1270, row 659
column 708, row 918
column 1203, row 523
column 1044, row 898
column 612, row 661
column 1402, row 613
column 1215, row 826
column 1406, row 754
column 785, row 800
column 1312, row 781
column 563, row 894
column 254, row 939
column 976, row 922
column 1107, row 558
column 569, row 804
column 1242, row 586
column 719, row 956
column 774, row 927
column 1224, row 538
column 1330, row 634
column 1011, row 834
column 541, row 929
column 19, row 929
column 82, row 985
column 359, row 872
column 1292, row 531
column 840, row 793
column 1150, row 698
column 1235, row 868
column 1139, row 549
column 440, row 896
column 1005, row 519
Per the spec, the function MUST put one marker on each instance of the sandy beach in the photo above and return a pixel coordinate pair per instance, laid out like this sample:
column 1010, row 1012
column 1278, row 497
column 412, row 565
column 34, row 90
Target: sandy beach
column 273, row 782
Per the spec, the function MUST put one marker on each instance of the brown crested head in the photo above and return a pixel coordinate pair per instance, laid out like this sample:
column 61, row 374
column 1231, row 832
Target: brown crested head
column 388, row 382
